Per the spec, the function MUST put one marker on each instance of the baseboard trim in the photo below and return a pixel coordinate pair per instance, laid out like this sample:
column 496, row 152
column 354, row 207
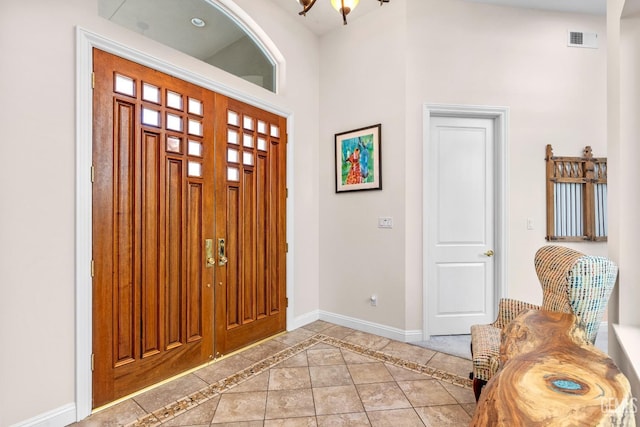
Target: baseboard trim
column 61, row 416
column 371, row 327
column 303, row 320
column 415, row 335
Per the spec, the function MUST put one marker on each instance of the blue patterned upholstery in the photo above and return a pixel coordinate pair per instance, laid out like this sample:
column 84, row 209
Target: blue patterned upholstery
column 590, row 283
column 571, row 281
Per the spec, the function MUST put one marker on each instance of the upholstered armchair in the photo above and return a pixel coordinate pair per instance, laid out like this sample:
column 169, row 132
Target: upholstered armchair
column 572, row 282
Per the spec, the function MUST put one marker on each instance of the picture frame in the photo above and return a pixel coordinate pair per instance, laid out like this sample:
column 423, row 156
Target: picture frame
column 358, row 159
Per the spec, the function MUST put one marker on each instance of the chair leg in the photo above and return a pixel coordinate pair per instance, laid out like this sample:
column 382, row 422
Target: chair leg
column 478, row 384
column 477, row 387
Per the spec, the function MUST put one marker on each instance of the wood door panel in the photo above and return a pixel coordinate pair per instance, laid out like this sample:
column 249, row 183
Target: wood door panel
column 144, row 372
column 150, row 238
column 251, row 216
column 124, row 318
column 262, row 221
column 195, row 237
column 233, row 294
column 174, row 245
column 167, row 178
column 246, row 255
column 276, row 240
column 153, row 296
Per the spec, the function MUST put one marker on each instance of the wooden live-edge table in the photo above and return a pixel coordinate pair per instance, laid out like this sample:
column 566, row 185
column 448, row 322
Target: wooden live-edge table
column 551, row 375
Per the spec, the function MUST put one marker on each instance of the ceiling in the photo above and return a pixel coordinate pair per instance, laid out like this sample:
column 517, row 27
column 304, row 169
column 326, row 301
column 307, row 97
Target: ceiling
column 323, row 18
column 593, row 7
column 168, row 21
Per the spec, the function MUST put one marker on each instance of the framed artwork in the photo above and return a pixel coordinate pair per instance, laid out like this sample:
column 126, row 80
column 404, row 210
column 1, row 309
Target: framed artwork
column 358, row 160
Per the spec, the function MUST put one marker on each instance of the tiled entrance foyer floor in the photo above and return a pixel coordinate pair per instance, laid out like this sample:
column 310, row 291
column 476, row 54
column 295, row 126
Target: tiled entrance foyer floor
column 318, row 375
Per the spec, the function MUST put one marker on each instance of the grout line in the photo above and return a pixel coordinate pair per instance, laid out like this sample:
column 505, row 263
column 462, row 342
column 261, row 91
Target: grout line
column 184, row 374
column 397, row 361
column 193, row 400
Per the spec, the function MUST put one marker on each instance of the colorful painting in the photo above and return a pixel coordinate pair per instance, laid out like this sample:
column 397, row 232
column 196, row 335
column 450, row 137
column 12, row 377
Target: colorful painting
column 358, row 159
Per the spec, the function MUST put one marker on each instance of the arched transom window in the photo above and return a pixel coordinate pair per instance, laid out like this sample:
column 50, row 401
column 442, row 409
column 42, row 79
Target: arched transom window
column 199, row 28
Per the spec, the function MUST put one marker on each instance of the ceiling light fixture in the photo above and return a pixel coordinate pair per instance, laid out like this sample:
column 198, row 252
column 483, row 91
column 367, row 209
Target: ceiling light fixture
column 342, row 6
column 198, row 22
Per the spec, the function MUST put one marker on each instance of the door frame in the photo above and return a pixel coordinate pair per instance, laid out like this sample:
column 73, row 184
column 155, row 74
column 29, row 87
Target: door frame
column 85, row 42
column 500, row 115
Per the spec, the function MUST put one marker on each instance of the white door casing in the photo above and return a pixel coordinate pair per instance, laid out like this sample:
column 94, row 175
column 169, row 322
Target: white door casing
column 464, row 216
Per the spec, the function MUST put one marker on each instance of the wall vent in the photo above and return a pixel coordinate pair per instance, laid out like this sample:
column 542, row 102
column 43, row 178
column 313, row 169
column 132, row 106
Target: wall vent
column 583, row 39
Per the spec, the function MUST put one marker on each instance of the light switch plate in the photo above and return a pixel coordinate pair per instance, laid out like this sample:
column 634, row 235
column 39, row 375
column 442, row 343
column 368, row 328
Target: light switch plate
column 385, row 222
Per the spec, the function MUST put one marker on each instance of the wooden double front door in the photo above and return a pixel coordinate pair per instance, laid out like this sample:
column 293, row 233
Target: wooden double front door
column 188, row 226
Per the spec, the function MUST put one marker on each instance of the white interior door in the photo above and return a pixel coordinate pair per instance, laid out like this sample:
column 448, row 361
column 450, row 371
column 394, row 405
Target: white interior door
column 461, row 236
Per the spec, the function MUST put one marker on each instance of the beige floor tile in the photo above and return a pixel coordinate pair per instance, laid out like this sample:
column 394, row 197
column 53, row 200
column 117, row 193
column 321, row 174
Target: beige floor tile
column 461, row 394
column 289, row 404
column 325, row 356
column 336, row 400
column 170, row 392
column 318, row 326
column 367, row 340
column 447, row 415
column 381, row 396
column 292, row 422
column 258, row 383
column 117, row 415
column 200, row 415
column 395, row 418
column 298, row 360
column 294, row 337
column 235, row 407
column 366, row 373
column 352, row 358
column 408, row 352
column 289, row 378
column 426, row 393
column 358, row 419
column 337, row 331
column 403, row 374
column 331, row 375
column 452, row 364
column 223, row 368
column 237, row 424
column 328, row 384
column 470, row 408
column 322, row 346
column 264, row 350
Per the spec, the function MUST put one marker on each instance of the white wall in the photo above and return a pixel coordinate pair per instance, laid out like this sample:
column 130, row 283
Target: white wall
column 457, row 53
column 629, row 174
column 470, row 53
column 379, row 69
column 362, row 83
column 37, row 83
column 37, row 213
column 623, row 128
column 298, row 93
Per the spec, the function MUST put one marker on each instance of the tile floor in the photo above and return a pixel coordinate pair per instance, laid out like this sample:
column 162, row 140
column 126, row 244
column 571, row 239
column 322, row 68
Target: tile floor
column 318, row 375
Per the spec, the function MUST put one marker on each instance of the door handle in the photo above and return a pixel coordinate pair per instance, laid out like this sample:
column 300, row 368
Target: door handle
column 489, row 253
column 222, row 253
column 208, row 253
